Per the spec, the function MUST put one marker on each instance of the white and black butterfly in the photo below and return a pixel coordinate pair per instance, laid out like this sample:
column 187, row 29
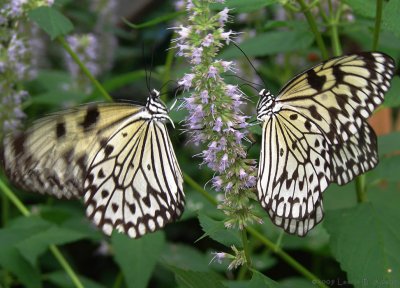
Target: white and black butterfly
column 315, row 133
column 118, row 156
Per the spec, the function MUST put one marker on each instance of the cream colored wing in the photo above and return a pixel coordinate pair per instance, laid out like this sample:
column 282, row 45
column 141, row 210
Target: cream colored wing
column 52, row 156
column 134, row 183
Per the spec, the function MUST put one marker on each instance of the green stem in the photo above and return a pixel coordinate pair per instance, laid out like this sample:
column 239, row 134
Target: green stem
column 118, row 280
column 14, row 199
column 378, row 20
column 286, row 257
column 57, row 254
column 276, row 249
column 66, row 266
column 199, row 189
column 333, row 24
column 314, row 29
column 361, row 189
column 246, row 248
column 85, row 70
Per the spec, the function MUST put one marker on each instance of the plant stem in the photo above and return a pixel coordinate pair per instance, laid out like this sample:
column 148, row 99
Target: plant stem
column 361, row 189
column 276, row 249
column 199, row 189
column 85, row 70
column 378, row 20
column 14, row 199
column 286, row 257
column 314, row 29
column 57, row 254
column 333, row 24
column 66, row 266
column 246, row 248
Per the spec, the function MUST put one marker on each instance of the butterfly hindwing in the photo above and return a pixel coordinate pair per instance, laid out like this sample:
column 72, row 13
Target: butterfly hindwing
column 315, row 132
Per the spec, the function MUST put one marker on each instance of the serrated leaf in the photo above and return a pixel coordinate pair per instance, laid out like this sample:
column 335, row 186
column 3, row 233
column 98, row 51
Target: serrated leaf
column 50, row 20
column 365, row 240
column 217, row 231
column 196, row 279
column 242, row 6
column 259, row 280
column 271, row 43
column 137, row 258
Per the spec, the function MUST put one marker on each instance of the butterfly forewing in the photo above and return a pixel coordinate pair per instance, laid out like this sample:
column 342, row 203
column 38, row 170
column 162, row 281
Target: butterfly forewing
column 315, row 132
column 340, row 93
column 52, row 155
column 118, row 156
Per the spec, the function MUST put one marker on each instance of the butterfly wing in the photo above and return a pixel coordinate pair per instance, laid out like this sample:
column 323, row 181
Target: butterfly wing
column 354, row 157
column 340, row 93
column 52, row 155
column 134, row 183
column 333, row 99
column 294, row 169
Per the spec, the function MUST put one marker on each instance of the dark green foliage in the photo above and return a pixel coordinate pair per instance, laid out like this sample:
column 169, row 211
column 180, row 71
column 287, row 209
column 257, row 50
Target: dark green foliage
column 357, row 243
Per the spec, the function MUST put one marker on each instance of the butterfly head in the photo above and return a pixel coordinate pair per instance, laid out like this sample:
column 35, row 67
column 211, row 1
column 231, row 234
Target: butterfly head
column 156, row 107
column 267, row 105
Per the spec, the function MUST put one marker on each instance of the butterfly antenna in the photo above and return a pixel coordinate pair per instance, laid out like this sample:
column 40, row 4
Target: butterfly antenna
column 248, row 82
column 251, row 64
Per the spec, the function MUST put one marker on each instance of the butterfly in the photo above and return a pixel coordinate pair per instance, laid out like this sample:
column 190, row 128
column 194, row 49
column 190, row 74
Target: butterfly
column 118, row 156
column 315, row 133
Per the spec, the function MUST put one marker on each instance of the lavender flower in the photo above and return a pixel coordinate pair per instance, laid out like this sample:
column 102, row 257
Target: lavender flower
column 85, row 46
column 215, row 118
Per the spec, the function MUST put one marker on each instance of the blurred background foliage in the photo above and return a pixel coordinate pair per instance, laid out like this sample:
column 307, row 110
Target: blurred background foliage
column 357, row 245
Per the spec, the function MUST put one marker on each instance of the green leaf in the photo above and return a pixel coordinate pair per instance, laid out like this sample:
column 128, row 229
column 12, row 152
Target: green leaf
column 303, row 283
column 50, row 20
column 260, row 281
column 195, row 279
column 388, row 144
column 364, row 8
column 217, row 231
column 365, row 240
column 185, row 257
column 35, row 245
column 41, row 234
column 392, row 97
column 387, row 169
column 137, row 257
column 241, row 6
column 271, row 43
column 155, row 21
column 12, row 260
column 390, row 19
column 61, row 279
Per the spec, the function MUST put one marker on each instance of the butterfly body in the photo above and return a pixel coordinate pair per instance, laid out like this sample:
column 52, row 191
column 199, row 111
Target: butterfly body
column 315, row 133
column 118, row 156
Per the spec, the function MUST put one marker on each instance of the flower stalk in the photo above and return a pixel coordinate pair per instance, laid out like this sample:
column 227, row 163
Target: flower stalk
column 215, row 119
